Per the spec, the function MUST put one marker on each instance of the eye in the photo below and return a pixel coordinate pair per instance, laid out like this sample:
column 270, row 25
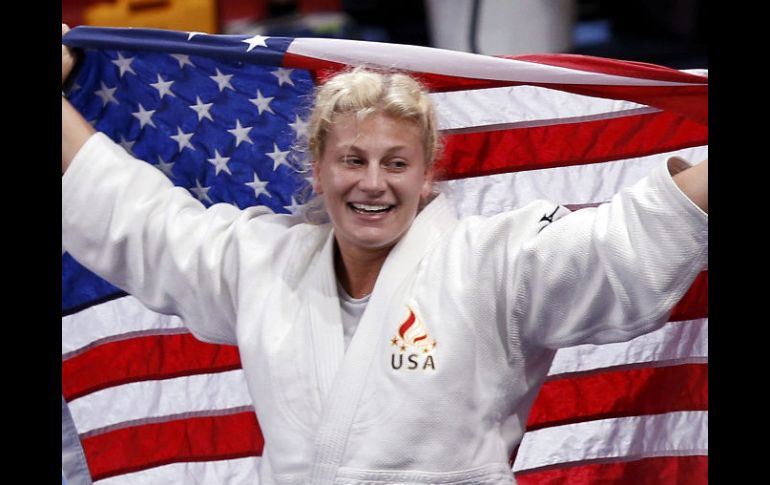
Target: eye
column 397, row 164
column 353, row 161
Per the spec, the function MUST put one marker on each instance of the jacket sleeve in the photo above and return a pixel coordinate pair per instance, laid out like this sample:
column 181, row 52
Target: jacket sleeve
column 126, row 222
column 610, row 273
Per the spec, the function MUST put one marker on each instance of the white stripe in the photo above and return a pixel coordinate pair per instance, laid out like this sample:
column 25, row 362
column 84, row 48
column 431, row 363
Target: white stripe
column 683, row 433
column 454, row 63
column 675, row 342
column 119, row 405
column 524, row 106
column 577, row 184
column 116, row 317
column 231, row 472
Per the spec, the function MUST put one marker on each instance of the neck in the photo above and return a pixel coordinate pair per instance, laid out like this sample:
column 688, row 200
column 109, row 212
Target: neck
column 357, row 270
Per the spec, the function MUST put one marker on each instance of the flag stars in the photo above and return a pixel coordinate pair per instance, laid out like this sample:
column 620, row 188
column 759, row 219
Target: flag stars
column 279, row 157
column 202, row 109
column 183, row 139
column 165, row 167
column 220, row 163
column 163, row 87
column 241, row 133
column 294, row 207
column 201, row 192
column 300, row 127
column 124, row 64
column 262, row 103
column 127, row 145
column 222, row 80
column 283, row 75
column 258, row 186
column 183, row 60
column 257, row 40
column 107, row 94
column 144, row 116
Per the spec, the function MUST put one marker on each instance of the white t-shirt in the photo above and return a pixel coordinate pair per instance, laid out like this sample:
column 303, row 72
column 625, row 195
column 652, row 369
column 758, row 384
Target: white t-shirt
column 352, row 309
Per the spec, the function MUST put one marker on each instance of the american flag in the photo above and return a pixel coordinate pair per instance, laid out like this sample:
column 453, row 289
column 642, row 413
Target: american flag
column 144, row 402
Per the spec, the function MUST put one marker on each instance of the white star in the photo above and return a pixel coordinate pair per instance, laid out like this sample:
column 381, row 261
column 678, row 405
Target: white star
column 222, row 80
column 107, row 94
column 300, row 127
column 127, row 145
column 294, row 207
column 183, row 139
column 241, row 133
column 220, row 163
column 258, row 186
column 124, row 64
column 190, row 35
column 262, row 103
column 165, row 167
column 202, row 109
column 163, row 87
column 202, row 193
column 283, row 75
column 255, row 41
column 279, row 157
column 144, row 117
column 183, row 60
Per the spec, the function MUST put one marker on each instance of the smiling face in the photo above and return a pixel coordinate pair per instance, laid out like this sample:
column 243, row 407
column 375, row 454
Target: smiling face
column 372, row 176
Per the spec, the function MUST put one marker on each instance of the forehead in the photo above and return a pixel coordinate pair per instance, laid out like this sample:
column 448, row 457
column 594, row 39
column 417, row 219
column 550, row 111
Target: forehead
column 375, row 131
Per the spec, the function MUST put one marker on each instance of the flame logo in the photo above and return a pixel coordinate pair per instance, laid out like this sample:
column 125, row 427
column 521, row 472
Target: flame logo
column 413, row 333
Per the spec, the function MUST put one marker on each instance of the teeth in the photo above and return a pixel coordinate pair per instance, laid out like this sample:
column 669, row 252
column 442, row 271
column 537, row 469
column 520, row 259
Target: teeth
column 370, row 208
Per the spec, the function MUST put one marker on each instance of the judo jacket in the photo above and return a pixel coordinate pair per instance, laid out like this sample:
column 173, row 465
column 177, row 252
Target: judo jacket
column 456, row 340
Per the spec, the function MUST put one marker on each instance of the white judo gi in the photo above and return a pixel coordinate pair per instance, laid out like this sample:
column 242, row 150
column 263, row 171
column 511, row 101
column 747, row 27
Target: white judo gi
column 454, row 344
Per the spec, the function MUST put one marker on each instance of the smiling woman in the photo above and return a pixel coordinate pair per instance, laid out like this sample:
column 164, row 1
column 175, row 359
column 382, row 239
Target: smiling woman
column 368, row 340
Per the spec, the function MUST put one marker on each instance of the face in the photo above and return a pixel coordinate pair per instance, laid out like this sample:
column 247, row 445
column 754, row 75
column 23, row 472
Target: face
column 372, row 177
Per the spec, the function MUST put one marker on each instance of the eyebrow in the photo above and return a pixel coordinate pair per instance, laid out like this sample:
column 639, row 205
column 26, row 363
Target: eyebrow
column 360, row 151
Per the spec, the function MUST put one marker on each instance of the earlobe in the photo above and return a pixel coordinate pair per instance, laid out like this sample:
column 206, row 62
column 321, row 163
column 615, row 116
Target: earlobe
column 317, row 188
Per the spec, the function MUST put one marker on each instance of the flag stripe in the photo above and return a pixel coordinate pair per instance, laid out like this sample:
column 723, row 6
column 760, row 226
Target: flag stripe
column 694, row 303
column 577, row 184
column 627, row 392
column 523, row 106
column 200, row 438
column 137, row 401
column 474, row 66
column 143, row 358
column 667, row 470
column 678, row 433
column 680, row 342
column 121, row 316
column 236, row 471
column 490, row 152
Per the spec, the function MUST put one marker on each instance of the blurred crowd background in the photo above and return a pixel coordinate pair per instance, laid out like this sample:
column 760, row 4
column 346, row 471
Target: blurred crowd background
column 666, row 32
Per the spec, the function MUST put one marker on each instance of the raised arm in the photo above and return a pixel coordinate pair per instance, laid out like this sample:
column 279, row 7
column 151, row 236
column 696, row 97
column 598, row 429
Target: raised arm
column 75, row 130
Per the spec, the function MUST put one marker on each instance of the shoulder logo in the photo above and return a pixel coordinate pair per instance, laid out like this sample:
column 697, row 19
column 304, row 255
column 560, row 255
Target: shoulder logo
column 413, row 345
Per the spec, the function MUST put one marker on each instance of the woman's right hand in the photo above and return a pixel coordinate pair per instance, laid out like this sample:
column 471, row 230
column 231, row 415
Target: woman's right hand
column 67, row 57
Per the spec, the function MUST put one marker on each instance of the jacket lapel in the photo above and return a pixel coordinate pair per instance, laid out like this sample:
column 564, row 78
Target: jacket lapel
column 343, row 398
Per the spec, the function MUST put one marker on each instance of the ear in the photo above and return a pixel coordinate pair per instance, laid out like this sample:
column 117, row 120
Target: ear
column 317, row 187
column 427, row 185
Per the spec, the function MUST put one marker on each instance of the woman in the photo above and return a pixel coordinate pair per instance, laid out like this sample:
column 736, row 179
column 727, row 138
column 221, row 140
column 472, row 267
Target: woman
column 373, row 343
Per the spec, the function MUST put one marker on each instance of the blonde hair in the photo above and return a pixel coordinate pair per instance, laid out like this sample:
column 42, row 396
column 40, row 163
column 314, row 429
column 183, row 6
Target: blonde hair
column 364, row 91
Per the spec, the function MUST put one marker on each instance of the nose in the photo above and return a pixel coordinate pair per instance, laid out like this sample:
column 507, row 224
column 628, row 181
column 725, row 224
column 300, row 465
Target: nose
column 372, row 179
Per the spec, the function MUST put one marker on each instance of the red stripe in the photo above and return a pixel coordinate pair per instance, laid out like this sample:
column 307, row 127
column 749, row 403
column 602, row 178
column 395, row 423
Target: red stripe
column 665, row 470
column 407, row 323
column 145, row 446
column 614, row 67
column 626, row 392
column 695, row 303
column 493, row 152
column 143, row 358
